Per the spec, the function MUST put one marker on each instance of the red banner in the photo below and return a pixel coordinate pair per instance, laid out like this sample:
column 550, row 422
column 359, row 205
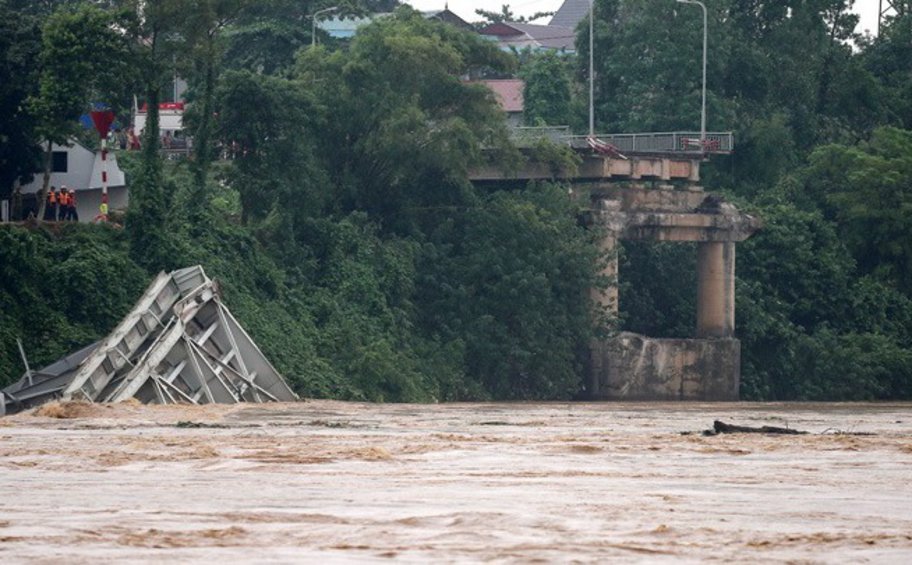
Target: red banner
column 164, row 106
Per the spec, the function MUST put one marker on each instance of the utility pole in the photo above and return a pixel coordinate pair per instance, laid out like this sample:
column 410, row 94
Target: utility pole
column 703, row 108
column 591, row 70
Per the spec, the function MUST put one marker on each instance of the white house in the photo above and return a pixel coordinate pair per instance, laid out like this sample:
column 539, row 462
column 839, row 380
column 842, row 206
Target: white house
column 79, row 168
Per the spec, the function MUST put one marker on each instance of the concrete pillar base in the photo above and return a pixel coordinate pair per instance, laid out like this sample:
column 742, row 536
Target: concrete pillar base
column 635, row 367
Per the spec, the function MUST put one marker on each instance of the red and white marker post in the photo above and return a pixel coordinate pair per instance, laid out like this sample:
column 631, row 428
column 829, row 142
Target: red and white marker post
column 103, row 120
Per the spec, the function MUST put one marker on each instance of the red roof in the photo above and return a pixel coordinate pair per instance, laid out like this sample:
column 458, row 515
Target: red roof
column 500, row 29
column 509, row 93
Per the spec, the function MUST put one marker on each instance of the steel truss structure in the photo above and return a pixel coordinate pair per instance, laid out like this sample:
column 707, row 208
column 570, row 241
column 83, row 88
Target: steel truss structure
column 179, row 344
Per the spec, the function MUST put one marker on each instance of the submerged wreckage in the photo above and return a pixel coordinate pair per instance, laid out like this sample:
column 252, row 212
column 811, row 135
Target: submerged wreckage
column 179, row 344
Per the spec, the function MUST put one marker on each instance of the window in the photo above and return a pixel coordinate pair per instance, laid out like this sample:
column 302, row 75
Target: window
column 59, row 162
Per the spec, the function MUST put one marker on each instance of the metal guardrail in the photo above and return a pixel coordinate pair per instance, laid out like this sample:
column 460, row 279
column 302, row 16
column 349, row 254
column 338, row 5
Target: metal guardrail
column 526, row 136
column 655, row 142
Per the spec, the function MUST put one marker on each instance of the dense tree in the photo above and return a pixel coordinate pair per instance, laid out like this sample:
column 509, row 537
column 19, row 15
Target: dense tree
column 547, row 92
column 781, row 74
column 265, row 124
column 506, row 281
column 202, row 31
column 889, row 58
column 657, row 288
column 867, row 190
column 400, row 128
column 20, row 43
column 153, row 28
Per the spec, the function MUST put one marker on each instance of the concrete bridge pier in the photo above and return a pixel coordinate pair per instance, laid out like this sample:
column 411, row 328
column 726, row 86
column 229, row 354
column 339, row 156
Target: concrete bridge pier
column 706, row 366
column 606, row 299
column 715, row 289
column 647, row 187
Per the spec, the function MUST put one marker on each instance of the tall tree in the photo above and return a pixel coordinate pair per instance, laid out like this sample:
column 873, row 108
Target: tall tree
column 82, row 53
column 202, row 29
column 266, row 125
column 154, row 28
column 868, row 192
column 889, row 58
column 20, row 44
column 401, row 128
column 547, row 92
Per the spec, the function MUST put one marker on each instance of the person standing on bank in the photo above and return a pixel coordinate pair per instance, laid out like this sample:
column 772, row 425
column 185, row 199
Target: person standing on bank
column 72, row 214
column 50, row 209
column 65, row 199
column 62, row 199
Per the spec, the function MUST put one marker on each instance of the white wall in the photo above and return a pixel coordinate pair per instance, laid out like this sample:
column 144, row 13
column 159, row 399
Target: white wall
column 84, row 176
column 168, row 120
column 79, row 170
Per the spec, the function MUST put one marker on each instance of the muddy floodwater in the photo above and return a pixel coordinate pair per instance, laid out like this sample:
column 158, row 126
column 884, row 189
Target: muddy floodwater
column 323, row 481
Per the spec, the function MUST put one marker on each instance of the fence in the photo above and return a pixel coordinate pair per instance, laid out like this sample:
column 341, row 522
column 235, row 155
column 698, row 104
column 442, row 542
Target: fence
column 662, row 142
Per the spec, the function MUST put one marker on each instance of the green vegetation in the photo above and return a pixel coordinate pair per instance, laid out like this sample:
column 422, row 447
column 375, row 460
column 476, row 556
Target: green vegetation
column 823, row 157
column 350, row 243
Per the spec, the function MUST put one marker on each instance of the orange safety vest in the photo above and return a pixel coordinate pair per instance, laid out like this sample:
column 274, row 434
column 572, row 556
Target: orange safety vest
column 64, row 198
column 72, row 200
column 52, row 197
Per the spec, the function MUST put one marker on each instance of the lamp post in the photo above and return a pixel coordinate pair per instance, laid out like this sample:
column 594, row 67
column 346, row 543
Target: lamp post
column 703, row 109
column 591, row 71
column 313, row 27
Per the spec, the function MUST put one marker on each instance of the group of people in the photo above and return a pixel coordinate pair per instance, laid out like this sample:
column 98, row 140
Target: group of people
column 61, row 206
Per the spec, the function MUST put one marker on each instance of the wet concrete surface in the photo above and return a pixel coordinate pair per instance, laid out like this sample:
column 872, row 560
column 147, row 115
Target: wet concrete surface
column 324, row 481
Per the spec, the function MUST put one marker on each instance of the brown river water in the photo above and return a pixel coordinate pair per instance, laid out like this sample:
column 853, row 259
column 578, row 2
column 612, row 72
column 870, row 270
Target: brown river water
column 329, row 482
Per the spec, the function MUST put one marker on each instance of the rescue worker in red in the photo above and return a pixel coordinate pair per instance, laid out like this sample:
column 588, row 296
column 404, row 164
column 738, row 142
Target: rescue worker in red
column 50, row 209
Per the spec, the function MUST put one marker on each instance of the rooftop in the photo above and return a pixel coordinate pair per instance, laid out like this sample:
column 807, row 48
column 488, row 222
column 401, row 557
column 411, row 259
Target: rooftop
column 570, row 14
column 509, row 93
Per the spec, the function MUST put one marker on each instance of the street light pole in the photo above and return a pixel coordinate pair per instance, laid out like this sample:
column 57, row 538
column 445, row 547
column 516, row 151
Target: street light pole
column 591, row 71
column 703, row 109
column 313, row 27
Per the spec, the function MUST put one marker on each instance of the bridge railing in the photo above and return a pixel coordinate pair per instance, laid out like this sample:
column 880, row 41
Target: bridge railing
column 655, row 142
column 527, row 136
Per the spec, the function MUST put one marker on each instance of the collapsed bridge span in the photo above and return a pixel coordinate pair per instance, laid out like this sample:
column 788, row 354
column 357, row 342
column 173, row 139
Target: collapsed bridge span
column 179, row 344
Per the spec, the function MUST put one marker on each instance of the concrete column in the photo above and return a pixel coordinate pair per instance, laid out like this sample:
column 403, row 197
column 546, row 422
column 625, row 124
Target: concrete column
column 606, row 300
column 694, row 176
column 693, row 180
column 716, row 289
